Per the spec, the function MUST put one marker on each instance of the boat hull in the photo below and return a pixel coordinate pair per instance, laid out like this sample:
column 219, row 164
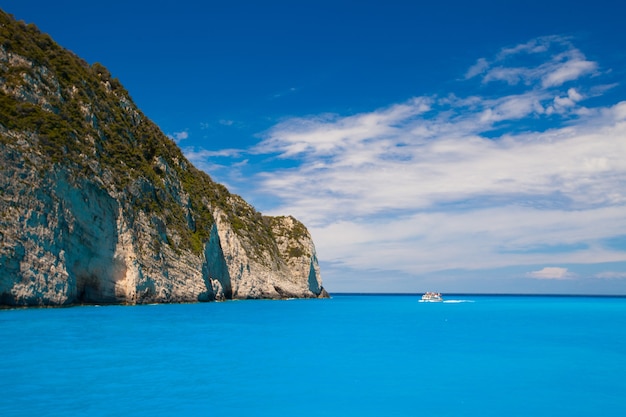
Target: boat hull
column 431, row 297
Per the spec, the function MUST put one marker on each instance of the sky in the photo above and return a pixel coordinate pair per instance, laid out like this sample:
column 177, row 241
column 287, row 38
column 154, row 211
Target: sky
column 453, row 146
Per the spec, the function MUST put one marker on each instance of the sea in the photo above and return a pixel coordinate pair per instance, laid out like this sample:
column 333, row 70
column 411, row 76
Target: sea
column 350, row 355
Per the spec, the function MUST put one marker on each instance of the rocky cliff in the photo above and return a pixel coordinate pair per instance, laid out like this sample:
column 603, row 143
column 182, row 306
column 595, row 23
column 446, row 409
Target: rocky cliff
column 98, row 206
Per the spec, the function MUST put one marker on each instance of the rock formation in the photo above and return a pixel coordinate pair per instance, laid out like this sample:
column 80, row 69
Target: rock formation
column 98, row 206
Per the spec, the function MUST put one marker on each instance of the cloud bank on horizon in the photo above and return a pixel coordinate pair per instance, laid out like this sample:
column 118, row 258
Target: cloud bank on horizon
column 527, row 171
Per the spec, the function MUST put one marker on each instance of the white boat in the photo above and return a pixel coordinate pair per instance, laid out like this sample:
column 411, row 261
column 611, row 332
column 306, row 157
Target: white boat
column 431, row 297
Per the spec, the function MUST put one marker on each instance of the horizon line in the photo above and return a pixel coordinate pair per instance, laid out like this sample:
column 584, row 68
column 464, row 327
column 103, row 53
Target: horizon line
column 480, row 294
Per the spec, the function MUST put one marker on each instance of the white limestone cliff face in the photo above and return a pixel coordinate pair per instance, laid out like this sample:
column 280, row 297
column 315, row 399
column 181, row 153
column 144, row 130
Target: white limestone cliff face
column 265, row 275
column 67, row 240
column 98, row 206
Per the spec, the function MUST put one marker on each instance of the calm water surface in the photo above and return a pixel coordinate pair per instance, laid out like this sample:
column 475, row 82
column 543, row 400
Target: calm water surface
column 347, row 356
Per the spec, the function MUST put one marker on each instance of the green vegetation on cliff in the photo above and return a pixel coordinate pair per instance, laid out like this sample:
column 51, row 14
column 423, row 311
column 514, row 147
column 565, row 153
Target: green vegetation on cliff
column 78, row 116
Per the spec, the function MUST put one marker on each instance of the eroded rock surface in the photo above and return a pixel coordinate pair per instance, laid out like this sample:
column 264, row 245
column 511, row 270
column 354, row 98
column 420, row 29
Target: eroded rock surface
column 98, row 206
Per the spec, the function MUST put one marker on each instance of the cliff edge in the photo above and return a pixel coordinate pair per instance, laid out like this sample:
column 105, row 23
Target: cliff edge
column 97, row 205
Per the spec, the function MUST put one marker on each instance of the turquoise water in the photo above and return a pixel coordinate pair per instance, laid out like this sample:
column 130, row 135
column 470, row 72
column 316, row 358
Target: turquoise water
column 347, row 356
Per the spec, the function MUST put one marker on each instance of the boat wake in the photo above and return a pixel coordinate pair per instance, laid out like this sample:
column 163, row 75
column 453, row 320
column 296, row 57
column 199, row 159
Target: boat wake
column 458, row 301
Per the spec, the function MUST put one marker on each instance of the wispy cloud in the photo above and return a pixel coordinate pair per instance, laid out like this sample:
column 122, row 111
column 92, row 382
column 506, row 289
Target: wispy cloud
column 178, row 136
column 478, row 68
column 331, row 134
column 551, row 272
column 284, row 93
column 464, row 182
column 221, row 124
column 424, row 185
column 208, row 160
column 202, row 154
column 408, row 162
column 611, row 275
column 560, row 62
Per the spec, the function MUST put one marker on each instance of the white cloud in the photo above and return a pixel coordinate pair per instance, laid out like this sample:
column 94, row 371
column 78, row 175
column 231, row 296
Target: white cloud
column 534, row 46
column 450, row 183
column 570, row 100
column 178, row 136
column 611, row 275
column 221, row 124
column 512, row 107
column 569, row 70
column 195, row 155
column 511, row 76
column 207, row 160
column 574, row 95
column 425, row 162
column 562, row 62
column 550, row 273
column 563, row 104
column 486, row 238
column 327, row 134
column 428, row 192
column 478, row 68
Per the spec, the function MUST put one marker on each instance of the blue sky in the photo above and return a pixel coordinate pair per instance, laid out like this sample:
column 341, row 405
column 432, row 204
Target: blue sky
column 454, row 146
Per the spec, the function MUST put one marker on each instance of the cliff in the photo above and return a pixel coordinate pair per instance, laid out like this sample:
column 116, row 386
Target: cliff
column 98, row 206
